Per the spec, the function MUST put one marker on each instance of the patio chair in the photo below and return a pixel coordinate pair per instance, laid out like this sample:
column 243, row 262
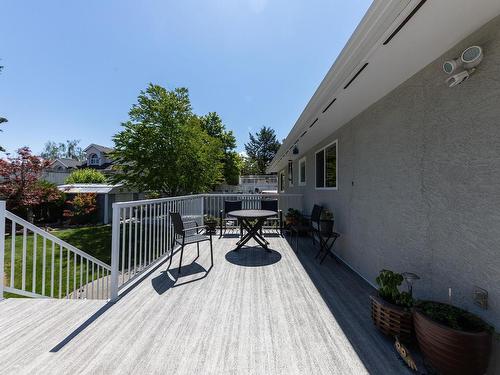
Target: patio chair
column 225, row 218
column 272, row 205
column 310, row 226
column 188, row 235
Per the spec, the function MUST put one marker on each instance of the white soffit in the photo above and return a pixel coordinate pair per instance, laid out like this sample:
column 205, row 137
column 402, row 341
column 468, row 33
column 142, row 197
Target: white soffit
column 435, row 28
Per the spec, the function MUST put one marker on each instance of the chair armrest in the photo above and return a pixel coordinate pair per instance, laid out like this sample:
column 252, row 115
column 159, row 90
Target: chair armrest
column 193, row 228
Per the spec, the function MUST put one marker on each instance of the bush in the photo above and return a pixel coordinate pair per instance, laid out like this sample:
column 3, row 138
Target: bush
column 389, row 282
column 453, row 317
column 82, row 209
column 86, row 176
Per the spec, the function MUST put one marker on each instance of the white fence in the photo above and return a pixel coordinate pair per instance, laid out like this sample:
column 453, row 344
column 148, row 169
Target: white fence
column 142, row 234
column 42, row 265
column 38, row 264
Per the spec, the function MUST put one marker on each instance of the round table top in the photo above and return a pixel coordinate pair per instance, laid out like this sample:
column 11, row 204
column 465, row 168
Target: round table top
column 252, row 214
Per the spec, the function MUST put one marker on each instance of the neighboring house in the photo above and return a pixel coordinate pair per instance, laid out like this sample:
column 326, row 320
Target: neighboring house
column 106, row 196
column 408, row 165
column 96, row 157
column 251, row 184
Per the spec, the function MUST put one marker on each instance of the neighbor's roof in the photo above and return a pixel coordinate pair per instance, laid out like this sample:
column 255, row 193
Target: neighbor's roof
column 103, row 149
column 67, row 162
column 394, row 40
column 91, row 188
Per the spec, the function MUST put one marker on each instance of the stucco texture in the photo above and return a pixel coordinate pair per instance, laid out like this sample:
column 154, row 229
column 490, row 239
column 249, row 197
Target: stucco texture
column 419, row 182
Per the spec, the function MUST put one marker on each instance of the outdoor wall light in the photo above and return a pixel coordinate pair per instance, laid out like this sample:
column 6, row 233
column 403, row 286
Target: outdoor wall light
column 410, row 278
column 295, row 150
column 468, row 60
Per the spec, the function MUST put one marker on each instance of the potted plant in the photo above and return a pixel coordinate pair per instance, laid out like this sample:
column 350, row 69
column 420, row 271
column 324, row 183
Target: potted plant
column 326, row 221
column 453, row 340
column 211, row 224
column 391, row 309
column 292, row 217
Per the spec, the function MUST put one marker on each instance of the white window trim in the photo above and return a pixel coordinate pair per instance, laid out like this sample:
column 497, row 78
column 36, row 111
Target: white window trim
column 290, row 176
column 324, row 166
column 96, row 158
column 281, row 182
column 303, row 183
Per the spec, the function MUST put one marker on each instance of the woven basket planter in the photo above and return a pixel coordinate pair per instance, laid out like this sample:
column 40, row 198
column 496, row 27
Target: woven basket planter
column 392, row 320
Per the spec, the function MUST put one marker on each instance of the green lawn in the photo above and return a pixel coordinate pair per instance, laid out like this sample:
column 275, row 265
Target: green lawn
column 95, row 241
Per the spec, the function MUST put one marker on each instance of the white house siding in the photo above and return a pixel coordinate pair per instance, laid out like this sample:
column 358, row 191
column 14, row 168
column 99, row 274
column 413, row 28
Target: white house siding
column 419, row 178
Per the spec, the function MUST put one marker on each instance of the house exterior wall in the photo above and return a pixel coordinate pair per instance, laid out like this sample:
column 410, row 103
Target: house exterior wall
column 419, row 182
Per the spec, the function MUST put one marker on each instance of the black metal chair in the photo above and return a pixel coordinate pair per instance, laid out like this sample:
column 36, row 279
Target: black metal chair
column 272, row 205
column 225, row 218
column 311, row 226
column 187, row 235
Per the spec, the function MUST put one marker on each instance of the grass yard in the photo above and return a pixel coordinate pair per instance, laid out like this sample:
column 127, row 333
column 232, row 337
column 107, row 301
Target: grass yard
column 95, row 241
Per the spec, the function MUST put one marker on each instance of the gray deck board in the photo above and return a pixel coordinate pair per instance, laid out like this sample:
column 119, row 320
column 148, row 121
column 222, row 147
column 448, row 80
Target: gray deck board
column 290, row 317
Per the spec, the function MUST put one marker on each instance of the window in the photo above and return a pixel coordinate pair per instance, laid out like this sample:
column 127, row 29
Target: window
column 290, row 173
column 282, row 181
column 326, row 167
column 302, row 172
column 94, row 159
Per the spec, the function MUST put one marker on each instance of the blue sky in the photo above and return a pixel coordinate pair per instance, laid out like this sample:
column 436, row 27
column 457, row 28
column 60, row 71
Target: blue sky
column 74, row 68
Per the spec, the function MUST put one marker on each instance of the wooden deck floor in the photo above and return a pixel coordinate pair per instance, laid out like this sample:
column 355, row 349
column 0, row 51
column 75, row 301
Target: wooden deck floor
column 253, row 313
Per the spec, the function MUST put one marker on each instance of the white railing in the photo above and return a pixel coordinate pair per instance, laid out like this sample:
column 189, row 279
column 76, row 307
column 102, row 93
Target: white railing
column 142, row 234
column 42, row 265
column 213, row 203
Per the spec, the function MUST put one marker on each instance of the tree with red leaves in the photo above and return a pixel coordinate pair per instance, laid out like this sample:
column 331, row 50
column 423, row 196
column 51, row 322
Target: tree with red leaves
column 20, row 185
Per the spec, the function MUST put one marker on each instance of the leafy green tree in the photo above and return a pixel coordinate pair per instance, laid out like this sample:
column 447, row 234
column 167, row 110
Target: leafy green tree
column 70, row 150
column 248, row 166
column 213, row 125
column 262, row 148
column 86, row 176
column 163, row 148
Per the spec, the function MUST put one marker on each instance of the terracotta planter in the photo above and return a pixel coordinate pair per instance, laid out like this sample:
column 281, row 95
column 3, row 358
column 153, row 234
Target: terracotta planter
column 450, row 351
column 391, row 319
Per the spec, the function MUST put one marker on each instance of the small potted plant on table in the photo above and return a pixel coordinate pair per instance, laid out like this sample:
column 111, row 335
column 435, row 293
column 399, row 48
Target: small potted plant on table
column 211, row 224
column 453, row 340
column 391, row 309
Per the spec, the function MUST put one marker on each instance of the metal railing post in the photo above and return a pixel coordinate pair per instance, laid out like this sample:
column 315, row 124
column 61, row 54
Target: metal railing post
column 202, row 208
column 2, row 246
column 115, row 252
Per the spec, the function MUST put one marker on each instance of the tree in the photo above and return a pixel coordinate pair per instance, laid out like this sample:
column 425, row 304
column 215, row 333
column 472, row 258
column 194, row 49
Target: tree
column 86, row 176
column 163, row 148
column 262, row 148
column 212, row 124
column 70, row 150
column 248, row 167
column 20, row 186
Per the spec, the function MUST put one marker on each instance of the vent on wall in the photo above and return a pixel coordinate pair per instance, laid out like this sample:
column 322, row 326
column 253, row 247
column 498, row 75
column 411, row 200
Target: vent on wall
column 314, row 122
column 356, row 75
column 402, row 24
column 329, row 105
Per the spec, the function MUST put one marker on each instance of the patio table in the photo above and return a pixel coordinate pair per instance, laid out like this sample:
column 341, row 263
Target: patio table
column 252, row 221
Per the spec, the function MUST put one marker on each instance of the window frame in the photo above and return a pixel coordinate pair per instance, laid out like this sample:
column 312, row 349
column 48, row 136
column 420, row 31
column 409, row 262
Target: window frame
column 290, row 173
column 323, row 149
column 303, row 183
column 95, row 157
